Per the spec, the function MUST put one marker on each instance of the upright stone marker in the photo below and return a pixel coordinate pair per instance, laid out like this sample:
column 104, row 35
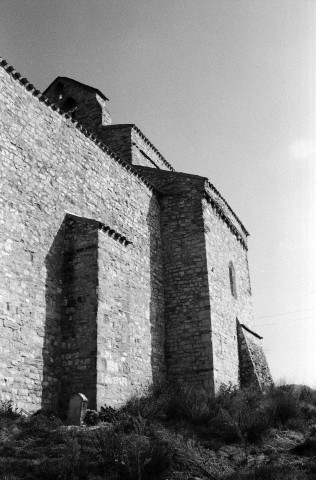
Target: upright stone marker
column 77, row 409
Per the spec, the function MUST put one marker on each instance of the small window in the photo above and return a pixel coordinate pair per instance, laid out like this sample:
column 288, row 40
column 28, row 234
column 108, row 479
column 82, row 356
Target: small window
column 232, row 280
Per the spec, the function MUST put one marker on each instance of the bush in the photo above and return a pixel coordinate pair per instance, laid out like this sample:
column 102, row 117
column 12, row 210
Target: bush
column 91, row 417
column 132, row 456
column 284, row 403
column 249, row 412
column 190, row 403
column 307, row 395
column 152, row 406
column 41, row 423
column 269, row 473
column 7, row 410
column 107, row 414
column 307, row 448
column 221, row 427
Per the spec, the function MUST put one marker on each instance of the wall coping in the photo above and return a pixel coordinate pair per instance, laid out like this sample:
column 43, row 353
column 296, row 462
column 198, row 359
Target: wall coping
column 42, row 98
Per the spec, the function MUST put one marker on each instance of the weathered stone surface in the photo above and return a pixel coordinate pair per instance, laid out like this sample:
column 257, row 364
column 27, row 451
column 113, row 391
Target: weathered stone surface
column 77, row 409
column 115, row 269
column 253, row 366
column 50, row 168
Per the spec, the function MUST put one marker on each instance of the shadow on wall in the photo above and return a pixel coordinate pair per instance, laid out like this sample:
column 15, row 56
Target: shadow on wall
column 52, row 331
column 156, row 302
column 70, row 339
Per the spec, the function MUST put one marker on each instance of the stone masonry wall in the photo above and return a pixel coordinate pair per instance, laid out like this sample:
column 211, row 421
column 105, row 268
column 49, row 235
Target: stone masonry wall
column 223, row 247
column 118, row 139
column 130, row 318
column 48, row 168
column 79, row 309
column 130, row 143
column 217, row 202
column 189, row 354
column 201, row 237
column 253, row 365
column 143, row 152
column 89, row 109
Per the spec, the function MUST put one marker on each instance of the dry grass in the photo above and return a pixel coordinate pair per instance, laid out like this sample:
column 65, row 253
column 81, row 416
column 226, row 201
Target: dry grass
column 154, row 437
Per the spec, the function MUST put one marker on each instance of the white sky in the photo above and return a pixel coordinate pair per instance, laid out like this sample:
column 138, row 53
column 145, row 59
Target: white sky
column 224, row 89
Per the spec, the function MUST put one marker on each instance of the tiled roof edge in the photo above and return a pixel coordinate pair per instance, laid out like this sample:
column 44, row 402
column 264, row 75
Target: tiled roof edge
column 229, row 223
column 153, row 147
column 209, row 184
column 42, row 98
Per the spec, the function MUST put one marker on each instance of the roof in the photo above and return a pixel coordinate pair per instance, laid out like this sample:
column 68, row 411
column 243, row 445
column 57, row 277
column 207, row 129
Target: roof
column 82, row 85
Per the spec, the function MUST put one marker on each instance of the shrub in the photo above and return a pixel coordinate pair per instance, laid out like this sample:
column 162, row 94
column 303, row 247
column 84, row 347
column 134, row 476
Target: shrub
column 7, row 410
column 222, row 427
column 307, row 395
column 189, row 403
column 107, row 414
column 41, row 423
column 270, row 473
column 254, row 425
column 308, row 411
column 307, row 448
column 91, row 417
column 249, row 412
column 298, row 424
column 284, row 403
column 153, row 405
column 132, row 456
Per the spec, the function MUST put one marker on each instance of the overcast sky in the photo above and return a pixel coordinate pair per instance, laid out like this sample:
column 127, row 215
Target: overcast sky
column 224, row 89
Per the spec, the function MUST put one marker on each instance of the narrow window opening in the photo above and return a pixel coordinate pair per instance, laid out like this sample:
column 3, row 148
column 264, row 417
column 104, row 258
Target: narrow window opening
column 232, row 280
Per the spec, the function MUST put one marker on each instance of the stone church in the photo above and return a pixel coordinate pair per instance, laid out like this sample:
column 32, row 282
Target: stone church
column 116, row 270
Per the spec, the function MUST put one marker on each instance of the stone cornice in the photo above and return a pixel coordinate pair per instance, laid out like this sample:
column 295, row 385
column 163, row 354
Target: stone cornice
column 211, row 186
column 42, row 98
column 226, row 219
column 114, row 234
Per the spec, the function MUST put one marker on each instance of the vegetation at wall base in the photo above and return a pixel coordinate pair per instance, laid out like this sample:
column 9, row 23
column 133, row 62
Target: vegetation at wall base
column 172, row 433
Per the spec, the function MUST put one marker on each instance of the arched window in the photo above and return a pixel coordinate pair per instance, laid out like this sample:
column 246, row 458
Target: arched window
column 232, row 280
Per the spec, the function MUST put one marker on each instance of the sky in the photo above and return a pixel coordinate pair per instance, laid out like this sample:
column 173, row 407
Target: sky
column 225, row 89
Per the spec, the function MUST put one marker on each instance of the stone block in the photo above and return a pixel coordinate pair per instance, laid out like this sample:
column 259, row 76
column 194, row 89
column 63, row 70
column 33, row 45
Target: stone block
column 77, row 409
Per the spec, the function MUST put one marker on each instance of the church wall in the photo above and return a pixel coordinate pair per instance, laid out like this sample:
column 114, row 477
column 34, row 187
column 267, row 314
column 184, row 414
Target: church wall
column 89, row 108
column 78, row 342
column 144, row 154
column 223, row 247
column 130, row 318
column 188, row 320
column 49, row 168
column 189, row 355
column 118, row 139
column 127, row 141
column 254, row 369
